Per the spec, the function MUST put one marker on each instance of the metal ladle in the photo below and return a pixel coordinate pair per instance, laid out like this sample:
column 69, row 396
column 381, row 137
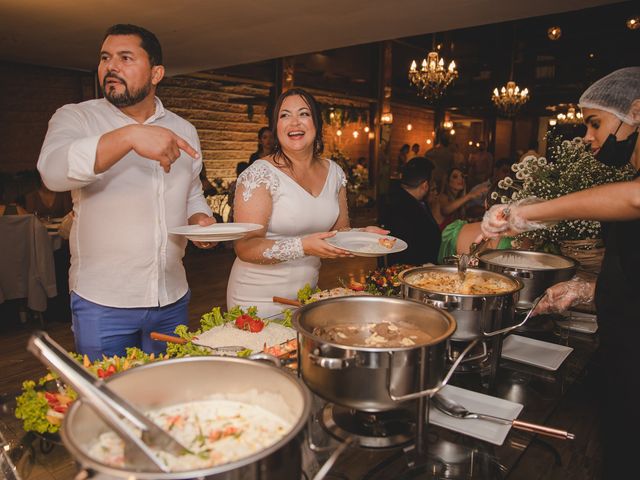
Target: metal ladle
column 454, row 409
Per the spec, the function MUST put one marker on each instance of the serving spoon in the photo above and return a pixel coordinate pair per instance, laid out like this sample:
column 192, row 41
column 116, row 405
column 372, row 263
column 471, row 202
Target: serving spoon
column 454, row 409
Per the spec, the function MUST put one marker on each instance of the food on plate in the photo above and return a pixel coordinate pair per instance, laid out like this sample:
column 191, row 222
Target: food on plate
column 450, row 282
column 335, row 292
column 216, row 431
column 382, row 334
column 387, row 242
column 256, row 341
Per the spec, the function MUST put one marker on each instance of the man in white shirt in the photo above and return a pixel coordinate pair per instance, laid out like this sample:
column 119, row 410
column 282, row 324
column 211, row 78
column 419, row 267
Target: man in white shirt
column 133, row 171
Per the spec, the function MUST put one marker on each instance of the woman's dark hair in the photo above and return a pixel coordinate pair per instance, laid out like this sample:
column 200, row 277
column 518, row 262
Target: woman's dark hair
column 148, row 41
column 241, row 167
column 318, row 143
column 445, row 186
column 261, row 131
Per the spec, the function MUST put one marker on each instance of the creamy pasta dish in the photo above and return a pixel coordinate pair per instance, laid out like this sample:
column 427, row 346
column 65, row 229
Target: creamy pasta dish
column 215, row 432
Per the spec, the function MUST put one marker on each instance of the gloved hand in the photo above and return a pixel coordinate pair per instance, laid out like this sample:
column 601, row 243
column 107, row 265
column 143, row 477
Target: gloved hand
column 509, row 219
column 565, row 295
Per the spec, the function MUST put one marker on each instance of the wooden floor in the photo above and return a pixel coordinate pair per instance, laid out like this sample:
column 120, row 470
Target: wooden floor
column 208, row 272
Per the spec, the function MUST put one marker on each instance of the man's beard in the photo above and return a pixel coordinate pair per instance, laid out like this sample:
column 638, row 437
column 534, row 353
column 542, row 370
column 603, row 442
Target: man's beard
column 126, row 98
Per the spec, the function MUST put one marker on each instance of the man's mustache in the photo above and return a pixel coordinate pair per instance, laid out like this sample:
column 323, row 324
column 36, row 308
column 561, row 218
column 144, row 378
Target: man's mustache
column 113, row 75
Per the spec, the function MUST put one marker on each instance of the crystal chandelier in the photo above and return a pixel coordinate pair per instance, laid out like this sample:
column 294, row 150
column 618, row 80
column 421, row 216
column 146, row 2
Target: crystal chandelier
column 571, row 117
column 510, row 98
column 432, row 79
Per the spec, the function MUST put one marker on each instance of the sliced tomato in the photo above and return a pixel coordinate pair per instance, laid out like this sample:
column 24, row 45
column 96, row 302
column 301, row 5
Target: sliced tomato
column 357, row 286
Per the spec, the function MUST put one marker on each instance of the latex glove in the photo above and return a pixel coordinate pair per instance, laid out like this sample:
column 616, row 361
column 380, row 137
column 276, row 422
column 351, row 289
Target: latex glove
column 565, row 295
column 509, row 219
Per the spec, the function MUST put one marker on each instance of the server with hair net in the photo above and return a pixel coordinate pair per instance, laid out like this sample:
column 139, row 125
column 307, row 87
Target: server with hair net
column 611, row 111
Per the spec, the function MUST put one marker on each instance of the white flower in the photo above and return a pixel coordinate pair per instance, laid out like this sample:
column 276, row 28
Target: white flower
column 502, row 185
column 514, row 195
column 508, row 181
column 494, row 195
column 542, row 161
column 529, row 158
column 515, row 167
column 577, row 141
column 566, row 143
column 520, row 175
column 504, row 199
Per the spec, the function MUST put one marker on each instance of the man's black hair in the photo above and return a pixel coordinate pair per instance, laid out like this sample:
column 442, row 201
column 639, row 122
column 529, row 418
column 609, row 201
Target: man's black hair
column 416, row 171
column 148, row 41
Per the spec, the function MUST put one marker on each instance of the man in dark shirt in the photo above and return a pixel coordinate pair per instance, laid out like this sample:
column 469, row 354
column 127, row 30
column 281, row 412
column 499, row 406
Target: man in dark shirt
column 409, row 218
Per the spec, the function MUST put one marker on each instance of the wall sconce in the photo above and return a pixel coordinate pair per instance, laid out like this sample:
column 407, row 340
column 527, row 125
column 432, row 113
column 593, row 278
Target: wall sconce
column 366, row 129
column 409, row 127
column 452, row 131
column 372, row 135
column 448, row 125
column 355, row 134
column 339, row 132
column 553, row 122
column 554, row 33
column 428, row 141
column 470, row 143
column 386, row 118
column 633, row 23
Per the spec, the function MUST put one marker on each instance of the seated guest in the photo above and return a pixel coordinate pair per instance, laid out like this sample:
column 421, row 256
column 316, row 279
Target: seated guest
column 409, row 218
column 8, row 203
column 44, row 202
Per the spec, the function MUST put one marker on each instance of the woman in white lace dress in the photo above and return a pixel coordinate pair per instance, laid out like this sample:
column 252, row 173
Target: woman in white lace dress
column 300, row 198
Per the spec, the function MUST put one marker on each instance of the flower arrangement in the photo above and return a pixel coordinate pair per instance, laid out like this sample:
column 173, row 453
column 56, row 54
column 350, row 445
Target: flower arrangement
column 571, row 168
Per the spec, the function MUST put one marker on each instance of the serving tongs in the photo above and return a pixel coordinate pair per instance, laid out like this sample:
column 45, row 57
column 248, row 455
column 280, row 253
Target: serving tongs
column 114, row 410
column 464, row 259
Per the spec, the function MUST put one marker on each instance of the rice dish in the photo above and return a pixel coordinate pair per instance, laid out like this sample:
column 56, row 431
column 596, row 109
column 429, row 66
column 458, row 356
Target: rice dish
column 518, row 261
column 216, row 431
column 228, row 334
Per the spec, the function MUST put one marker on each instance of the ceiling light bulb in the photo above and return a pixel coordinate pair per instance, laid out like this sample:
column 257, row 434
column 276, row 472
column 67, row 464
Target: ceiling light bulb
column 633, row 23
column 355, row 134
column 554, row 33
column 339, row 132
column 409, row 126
column 366, row 129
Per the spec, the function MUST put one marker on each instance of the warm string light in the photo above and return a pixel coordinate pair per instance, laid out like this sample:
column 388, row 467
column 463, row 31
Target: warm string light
column 432, row 79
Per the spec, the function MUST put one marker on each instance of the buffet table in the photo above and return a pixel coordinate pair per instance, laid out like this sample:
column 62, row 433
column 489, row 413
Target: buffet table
column 448, row 454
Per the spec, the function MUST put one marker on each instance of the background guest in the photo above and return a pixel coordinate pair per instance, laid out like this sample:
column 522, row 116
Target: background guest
column 265, row 145
column 408, row 216
column 403, row 156
column 480, row 165
column 240, row 167
column 415, row 150
column 454, row 197
column 8, row 200
column 441, row 156
column 45, row 203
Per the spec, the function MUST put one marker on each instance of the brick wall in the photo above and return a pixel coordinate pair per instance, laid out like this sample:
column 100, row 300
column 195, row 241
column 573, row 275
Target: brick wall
column 29, row 95
column 220, row 112
column 421, row 120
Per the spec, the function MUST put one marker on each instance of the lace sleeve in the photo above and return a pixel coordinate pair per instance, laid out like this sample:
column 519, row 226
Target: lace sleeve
column 256, row 175
column 342, row 178
column 285, row 249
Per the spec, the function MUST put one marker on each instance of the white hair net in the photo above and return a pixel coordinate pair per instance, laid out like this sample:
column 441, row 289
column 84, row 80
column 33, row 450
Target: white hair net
column 614, row 93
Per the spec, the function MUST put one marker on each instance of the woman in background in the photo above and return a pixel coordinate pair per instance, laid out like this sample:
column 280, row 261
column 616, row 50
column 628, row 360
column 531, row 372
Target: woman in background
column 265, row 145
column 45, row 203
column 453, row 197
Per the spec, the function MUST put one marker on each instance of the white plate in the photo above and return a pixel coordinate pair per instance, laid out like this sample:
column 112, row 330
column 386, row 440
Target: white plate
column 218, row 232
column 365, row 244
column 487, row 430
column 579, row 322
column 534, row 352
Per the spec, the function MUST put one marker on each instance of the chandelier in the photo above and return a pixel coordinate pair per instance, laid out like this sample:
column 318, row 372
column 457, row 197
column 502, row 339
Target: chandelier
column 433, row 78
column 571, row 117
column 510, row 98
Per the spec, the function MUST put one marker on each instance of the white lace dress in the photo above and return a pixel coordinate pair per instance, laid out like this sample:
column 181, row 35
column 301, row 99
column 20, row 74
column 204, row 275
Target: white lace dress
column 295, row 213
